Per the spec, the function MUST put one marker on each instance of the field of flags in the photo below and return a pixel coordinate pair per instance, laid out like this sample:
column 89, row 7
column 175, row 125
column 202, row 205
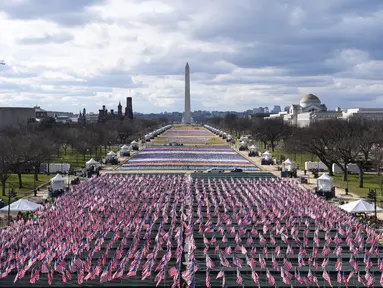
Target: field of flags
column 187, row 158
column 168, row 230
column 186, row 136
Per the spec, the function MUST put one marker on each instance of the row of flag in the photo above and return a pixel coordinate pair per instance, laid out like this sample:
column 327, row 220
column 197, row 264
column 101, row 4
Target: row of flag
column 163, row 227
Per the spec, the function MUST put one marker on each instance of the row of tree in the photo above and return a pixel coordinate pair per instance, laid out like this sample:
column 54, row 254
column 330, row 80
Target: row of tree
column 341, row 142
column 26, row 148
column 338, row 141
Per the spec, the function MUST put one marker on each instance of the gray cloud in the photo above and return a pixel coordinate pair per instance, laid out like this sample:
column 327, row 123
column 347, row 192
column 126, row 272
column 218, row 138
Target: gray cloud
column 242, row 53
column 69, row 13
column 47, row 39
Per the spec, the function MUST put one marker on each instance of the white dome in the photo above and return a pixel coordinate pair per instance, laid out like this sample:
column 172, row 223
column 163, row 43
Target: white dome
column 309, row 99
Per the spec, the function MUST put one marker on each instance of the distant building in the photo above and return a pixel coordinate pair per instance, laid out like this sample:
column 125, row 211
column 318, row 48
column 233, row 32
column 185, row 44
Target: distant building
column 40, row 113
column 366, row 113
column 310, row 109
column 82, row 117
column 258, row 110
column 276, row 109
column 15, row 116
column 91, row 118
column 129, row 108
column 105, row 115
column 64, row 119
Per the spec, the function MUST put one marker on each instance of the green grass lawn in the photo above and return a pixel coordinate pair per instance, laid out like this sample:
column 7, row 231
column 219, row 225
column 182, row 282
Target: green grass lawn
column 371, row 181
column 76, row 159
column 28, row 183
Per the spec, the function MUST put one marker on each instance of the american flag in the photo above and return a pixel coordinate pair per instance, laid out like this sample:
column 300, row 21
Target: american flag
column 239, row 280
column 132, row 205
column 326, row 277
column 270, row 278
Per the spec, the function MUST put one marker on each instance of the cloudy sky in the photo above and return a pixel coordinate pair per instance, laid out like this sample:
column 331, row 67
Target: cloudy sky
column 65, row 55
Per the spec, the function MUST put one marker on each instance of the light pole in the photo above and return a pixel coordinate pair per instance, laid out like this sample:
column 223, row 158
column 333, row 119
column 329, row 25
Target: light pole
column 11, row 194
column 34, row 182
column 346, row 190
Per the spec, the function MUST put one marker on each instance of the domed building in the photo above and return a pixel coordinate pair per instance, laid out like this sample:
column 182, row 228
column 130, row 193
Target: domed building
column 309, row 109
column 309, row 100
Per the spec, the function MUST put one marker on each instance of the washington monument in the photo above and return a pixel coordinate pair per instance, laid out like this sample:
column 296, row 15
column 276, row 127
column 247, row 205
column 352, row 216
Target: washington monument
column 187, row 119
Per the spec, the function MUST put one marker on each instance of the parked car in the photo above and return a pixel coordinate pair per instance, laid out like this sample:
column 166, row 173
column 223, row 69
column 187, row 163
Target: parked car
column 214, row 170
column 237, row 170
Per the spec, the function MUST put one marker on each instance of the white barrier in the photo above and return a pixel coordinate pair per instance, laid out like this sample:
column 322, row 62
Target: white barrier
column 351, row 168
column 315, row 166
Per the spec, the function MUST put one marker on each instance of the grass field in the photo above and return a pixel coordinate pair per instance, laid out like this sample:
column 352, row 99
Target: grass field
column 76, row 159
column 298, row 158
column 371, row 181
column 28, row 183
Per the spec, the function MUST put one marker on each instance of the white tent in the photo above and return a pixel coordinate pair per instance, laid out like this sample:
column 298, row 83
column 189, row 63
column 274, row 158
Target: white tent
column 125, row 150
column 324, row 182
column 58, row 182
column 267, row 155
column 134, row 144
column 288, row 165
column 253, row 148
column 91, row 163
column 22, row 205
column 111, row 155
column 125, row 147
column 360, row 206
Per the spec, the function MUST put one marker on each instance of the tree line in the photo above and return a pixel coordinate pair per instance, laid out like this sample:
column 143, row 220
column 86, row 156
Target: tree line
column 25, row 148
column 333, row 141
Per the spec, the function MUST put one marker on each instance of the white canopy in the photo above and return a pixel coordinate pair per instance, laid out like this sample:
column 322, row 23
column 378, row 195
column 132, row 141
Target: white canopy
column 360, row 206
column 134, row 142
column 22, row 205
column 111, row 153
column 92, row 162
column 58, row 182
column 324, row 182
column 288, row 162
column 58, row 178
column 125, row 147
column 288, row 165
column 267, row 155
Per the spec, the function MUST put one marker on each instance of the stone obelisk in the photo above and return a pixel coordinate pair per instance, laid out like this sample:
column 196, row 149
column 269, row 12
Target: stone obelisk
column 187, row 115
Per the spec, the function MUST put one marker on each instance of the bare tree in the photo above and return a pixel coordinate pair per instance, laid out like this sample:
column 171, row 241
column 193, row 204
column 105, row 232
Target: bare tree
column 6, row 159
column 271, row 131
column 347, row 142
column 369, row 136
column 316, row 140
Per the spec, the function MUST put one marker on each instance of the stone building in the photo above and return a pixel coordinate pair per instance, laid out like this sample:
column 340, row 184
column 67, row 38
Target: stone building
column 15, row 116
column 82, row 117
column 310, row 109
column 105, row 115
